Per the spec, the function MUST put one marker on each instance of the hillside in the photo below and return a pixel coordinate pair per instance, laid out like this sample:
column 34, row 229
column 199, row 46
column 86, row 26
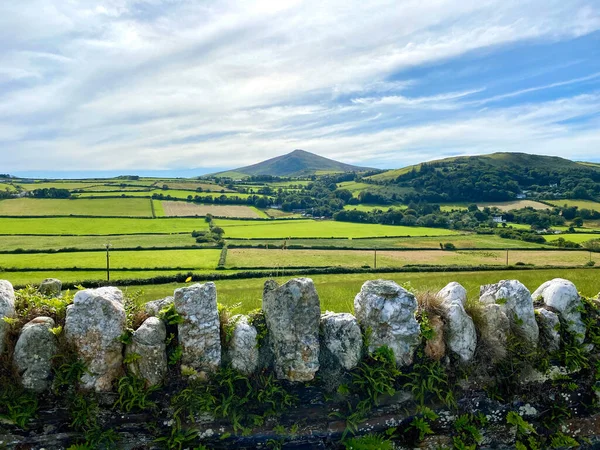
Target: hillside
column 499, row 176
column 298, row 163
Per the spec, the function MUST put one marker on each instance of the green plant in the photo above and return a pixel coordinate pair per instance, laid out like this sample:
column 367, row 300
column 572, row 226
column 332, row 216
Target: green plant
column 131, row 357
column 133, row 394
column 258, row 321
column 68, row 370
column 427, row 378
column 17, row 405
column 169, row 315
column 421, row 423
column 467, row 430
column 369, row 442
column 177, row 439
column 561, row 440
column 174, row 354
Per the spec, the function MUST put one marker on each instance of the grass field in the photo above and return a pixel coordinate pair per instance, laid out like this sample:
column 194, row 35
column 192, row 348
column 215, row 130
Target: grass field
column 517, row 204
column 278, row 213
column 94, row 242
column 368, row 208
column 575, row 237
column 174, row 209
column 70, row 185
column 98, row 226
column 252, row 258
column 192, row 186
column 581, row 204
column 132, row 207
column 337, row 292
column 35, row 277
column 7, row 187
column 316, row 228
column 148, row 259
column 174, row 193
column 464, row 241
column 356, row 187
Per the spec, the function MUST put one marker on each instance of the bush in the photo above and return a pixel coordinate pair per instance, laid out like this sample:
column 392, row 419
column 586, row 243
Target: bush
column 449, row 246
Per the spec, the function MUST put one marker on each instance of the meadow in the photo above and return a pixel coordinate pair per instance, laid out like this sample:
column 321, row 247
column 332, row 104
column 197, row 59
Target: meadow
column 320, row 229
column 516, row 204
column 374, row 207
column 126, row 207
column 174, row 193
column 262, row 258
column 337, row 292
column 581, row 204
column 579, row 238
column 175, row 209
column 192, row 259
column 98, row 226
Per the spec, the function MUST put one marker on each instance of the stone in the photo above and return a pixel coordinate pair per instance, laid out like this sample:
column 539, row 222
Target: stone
column 199, row 334
column 461, row 335
column 494, row 329
column 549, row 324
column 154, row 307
column 148, row 341
column 341, row 340
column 33, row 354
column 51, row 287
column 562, row 296
column 516, row 302
column 242, row 351
column 435, row 348
column 293, row 312
column 93, row 325
column 388, row 311
column 7, row 309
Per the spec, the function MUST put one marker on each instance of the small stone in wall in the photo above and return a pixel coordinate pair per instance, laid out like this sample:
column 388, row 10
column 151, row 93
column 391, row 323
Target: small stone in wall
column 516, row 302
column 154, row 307
column 7, row 309
column 341, row 340
column 461, row 335
column 94, row 323
column 199, row 334
column 494, row 329
column 562, row 296
column 292, row 312
column 33, row 353
column 148, row 346
column 549, row 329
column 242, row 350
column 388, row 311
column 51, row 287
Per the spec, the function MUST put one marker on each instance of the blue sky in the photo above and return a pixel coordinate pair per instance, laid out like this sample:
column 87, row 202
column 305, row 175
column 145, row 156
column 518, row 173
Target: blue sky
column 125, row 86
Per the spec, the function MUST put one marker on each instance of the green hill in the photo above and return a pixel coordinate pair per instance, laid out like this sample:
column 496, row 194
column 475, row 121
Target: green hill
column 298, row 163
column 499, row 176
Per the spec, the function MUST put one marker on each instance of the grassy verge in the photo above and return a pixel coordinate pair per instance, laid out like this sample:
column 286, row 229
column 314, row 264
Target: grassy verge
column 126, row 207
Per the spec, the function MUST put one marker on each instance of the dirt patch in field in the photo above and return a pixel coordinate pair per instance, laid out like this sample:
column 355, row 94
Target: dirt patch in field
column 517, row 204
column 179, row 209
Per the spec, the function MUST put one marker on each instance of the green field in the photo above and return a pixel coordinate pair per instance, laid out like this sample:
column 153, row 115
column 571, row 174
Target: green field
column 464, row 241
column 7, row 187
column 337, row 292
column 174, row 193
column 35, row 277
column 242, row 258
column 581, row 204
column 316, row 228
column 9, row 243
column 193, row 259
column 70, row 185
column 98, row 226
column 369, row 208
column 573, row 237
column 132, row 207
column 356, row 187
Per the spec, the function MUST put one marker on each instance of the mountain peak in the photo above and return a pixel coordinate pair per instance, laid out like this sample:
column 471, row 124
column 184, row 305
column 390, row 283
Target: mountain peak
column 298, row 163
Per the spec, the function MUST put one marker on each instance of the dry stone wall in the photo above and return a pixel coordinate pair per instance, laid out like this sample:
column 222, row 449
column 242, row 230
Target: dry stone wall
column 303, row 344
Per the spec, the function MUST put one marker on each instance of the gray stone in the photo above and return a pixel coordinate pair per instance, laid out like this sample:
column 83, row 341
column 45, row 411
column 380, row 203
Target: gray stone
column 94, row 323
column 33, row 353
column 148, row 341
column 51, row 287
column 154, row 307
column 494, row 329
column 7, row 309
column 292, row 313
column 341, row 339
column 461, row 335
column 562, row 296
column 199, row 334
column 388, row 311
column 549, row 324
column 516, row 302
column 242, row 351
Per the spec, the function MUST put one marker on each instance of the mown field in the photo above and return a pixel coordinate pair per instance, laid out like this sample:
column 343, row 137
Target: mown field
column 337, row 292
column 24, row 242
column 320, row 228
column 253, row 258
column 368, row 208
column 147, row 259
column 579, row 238
column 581, row 204
column 517, row 204
column 175, row 209
column 174, row 193
column 98, row 226
column 126, row 207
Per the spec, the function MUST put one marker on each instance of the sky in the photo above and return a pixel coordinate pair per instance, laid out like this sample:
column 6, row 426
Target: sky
column 189, row 87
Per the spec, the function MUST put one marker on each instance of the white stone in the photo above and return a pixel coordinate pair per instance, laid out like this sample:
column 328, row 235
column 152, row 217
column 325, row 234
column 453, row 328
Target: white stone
column 549, row 329
column 51, row 287
column 154, row 307
column 494, row 329
column 341, row 339
column 292, row 312
column 94, row 323
column 199, row 334
column 461, row 335
column 7, row 309
column 388, row 311
column 562, row 295
column 516, row 302
column 148, row 341
column 242, row 350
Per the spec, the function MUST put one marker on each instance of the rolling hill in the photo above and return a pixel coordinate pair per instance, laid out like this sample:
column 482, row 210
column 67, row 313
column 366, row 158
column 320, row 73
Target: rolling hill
column 298, row 163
